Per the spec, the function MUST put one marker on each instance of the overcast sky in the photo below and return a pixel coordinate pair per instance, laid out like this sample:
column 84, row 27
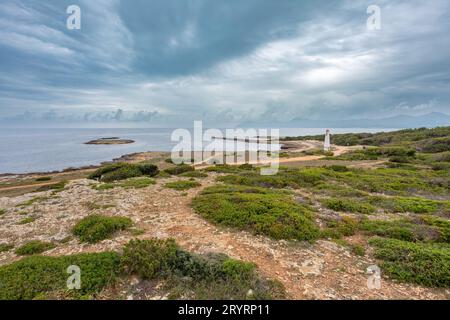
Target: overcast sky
column 223, row 60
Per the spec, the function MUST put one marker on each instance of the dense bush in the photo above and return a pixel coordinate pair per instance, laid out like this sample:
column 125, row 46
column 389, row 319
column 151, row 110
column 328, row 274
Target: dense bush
column 34, row 247
column 149, row 258
column 339, row 168
column 435, row 145
column 182, row 185
column 335, row 229
column 442, row 157
column 349, row 205
column 148, row 169
column 407, row 204
column 95, row 228
column 399, row 159
column 5, row 247
column 403, row 230
column 38, row 276
column 122, row 171
column 125, row 172
column 137, row 183
column 225, row 168
column 263, row 212
column 59, row 186
column 2, row 211
column 425, row 264
column 41, row 179
column 194, row 174
column 179, row 169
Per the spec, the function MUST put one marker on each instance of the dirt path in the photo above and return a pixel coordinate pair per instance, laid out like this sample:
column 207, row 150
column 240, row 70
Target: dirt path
column 27, row 186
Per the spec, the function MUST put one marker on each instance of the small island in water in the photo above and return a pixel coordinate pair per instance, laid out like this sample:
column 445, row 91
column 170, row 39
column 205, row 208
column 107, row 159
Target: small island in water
column 110, row 140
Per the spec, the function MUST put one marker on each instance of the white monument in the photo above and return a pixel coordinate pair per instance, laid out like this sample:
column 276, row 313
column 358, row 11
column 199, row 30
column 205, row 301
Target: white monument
column 326, row 142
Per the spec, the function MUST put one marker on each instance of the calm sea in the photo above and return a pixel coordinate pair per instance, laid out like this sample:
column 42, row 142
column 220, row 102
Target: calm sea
column 38, row 150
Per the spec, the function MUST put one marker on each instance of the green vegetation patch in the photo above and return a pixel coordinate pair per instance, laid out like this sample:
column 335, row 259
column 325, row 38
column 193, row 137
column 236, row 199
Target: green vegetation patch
column 225, row 168
column 409, row 204
column 27, row 220
column 179, row 169
column 59, row 186
column 421, row 263
column 42, row 179
column 122, row 171
column 287, row 178
column 5, row 247
column 32, row 201
column 337, row 228
column 348, row 205
column 182, row 185
column 210, row 276
column 34, row 247
column 35, row 276
column 137, row 183
column 275, row 214
column 404, row 229
column 194, row 174
column 95, row 228
column 2, row 212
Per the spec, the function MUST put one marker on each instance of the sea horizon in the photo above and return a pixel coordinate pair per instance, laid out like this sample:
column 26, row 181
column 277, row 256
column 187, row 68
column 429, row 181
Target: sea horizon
column 35, row 150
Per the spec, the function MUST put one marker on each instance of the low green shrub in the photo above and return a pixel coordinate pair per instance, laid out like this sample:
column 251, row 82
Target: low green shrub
column 59, row 186
column 226, row 168
column 193, row 174
column 122, row 171
column 34, row 247
column 137, row 183
column 35, row 276
column 95, row 228
column 97, row 174
column 358, row 250
column 149, row 258
column 339, row 168
column 403, row 229
column 5, row 247
column 441, row 166
column 125, row 172
column 435, row 145
column 348, row 205
column 179, row 169
column 273, row 214
column 442, row 157
column 148, row 169
column 443, row 225
column 399, row 159
column 343, row 227
column 27, row 220
column 2, row 212
column 425, row 264
column 42, row 179
column 182, row 185
column 407, row 204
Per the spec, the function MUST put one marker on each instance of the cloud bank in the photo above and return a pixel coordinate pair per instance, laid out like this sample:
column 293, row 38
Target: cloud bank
column 169, row 62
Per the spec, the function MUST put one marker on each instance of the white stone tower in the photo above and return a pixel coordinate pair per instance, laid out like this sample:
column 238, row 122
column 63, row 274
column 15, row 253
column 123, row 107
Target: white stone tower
column 326, row 142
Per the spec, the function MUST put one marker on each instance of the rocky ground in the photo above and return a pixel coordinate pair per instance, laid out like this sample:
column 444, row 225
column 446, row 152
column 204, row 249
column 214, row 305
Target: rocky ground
column 323, row 270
